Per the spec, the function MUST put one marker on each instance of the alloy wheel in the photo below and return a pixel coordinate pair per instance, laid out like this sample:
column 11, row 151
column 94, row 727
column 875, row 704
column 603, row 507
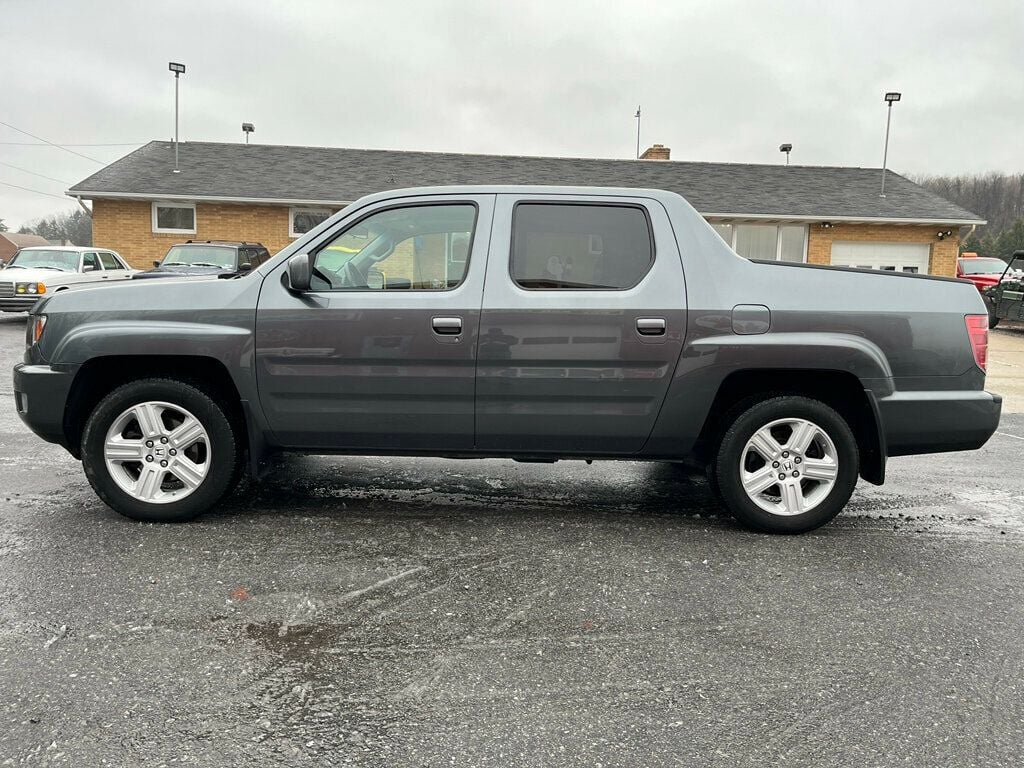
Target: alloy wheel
column 789, row 466
column 157, row 452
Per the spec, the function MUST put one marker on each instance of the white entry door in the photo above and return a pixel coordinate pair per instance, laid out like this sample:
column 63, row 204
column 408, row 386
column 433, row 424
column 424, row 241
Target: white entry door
column 893, row 257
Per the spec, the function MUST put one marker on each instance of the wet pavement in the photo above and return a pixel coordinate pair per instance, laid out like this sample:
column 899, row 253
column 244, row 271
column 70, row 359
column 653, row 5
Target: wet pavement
column 401, row 612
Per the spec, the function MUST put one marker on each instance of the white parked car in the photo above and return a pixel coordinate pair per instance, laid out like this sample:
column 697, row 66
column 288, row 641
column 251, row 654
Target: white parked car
column 45, row 269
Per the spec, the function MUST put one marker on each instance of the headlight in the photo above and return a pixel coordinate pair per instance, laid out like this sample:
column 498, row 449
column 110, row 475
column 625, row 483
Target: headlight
column 31, row 289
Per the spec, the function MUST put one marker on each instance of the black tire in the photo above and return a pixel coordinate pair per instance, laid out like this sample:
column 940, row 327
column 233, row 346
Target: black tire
column 727, row 464
column 990, row 306
column 225, row 448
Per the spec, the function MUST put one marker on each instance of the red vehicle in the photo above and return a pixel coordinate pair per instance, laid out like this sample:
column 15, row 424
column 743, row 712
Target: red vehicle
column 983, row 271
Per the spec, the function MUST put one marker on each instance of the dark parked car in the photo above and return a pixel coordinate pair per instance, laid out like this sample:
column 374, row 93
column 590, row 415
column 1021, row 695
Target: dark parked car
column 207, row 258
column 1005, row 299
column 534, row 323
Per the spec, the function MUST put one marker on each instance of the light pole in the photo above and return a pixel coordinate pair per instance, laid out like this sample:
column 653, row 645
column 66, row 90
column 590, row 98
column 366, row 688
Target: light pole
column 787, row 148
column 248, row 128
column 637, row 116
column 889, row 99
column 178, row 70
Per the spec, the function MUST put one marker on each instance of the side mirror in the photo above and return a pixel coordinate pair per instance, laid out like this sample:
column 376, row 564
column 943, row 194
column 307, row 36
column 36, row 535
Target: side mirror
column 88, row 267
column 156, row 263
column 300, row 272
column 245, row 266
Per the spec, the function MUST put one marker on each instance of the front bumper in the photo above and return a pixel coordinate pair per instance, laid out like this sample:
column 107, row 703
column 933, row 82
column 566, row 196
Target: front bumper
column 40, row 395
column 18, row 303
column 935, row 422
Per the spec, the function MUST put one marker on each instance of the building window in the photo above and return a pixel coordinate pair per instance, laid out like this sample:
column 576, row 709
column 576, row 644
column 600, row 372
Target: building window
column 757, row 241
column 301, row 220
column 766, row 242
column 725, row 232
column 174, row 218
column 580, row 247
column 791, row 243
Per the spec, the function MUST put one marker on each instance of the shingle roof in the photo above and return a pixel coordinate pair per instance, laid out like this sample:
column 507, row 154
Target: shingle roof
column 24, row 241
column 331, row 175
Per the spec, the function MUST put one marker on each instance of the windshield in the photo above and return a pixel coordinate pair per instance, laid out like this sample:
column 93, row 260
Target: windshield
column 44, row 258
column 200, row 256
column 982, row 266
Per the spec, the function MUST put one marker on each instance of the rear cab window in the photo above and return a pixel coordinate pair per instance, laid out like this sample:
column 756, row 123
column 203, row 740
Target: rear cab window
column 580, row 246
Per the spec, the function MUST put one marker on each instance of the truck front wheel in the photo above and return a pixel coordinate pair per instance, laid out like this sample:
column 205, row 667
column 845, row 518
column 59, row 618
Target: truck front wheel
column 160, row 450
column 787, row 465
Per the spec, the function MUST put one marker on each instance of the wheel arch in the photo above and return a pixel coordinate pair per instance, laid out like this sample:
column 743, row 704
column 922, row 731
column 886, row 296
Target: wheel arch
column 99, row 376
column 840, row 390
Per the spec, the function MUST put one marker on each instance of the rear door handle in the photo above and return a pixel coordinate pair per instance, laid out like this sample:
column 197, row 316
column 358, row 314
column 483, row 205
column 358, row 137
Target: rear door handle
column 650, row 326
column 447, row 326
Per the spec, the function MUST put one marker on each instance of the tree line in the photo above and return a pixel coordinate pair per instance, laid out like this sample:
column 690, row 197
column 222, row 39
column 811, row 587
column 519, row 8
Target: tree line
column 996, row 197
column 73, row 227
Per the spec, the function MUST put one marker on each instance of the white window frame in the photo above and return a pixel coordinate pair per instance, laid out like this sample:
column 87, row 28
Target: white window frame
column 157, row 230
column 778, row 235
column 303, row 209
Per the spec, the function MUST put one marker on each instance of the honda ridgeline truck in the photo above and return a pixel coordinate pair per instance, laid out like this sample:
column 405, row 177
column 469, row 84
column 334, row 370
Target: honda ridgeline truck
column 532, row 323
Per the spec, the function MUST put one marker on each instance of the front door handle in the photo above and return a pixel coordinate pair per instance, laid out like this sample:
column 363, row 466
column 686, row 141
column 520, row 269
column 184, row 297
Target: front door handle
column 447, row 326
column 650, row 326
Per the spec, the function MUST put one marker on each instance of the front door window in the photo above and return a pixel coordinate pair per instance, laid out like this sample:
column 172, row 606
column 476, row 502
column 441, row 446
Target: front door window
column 418, row 248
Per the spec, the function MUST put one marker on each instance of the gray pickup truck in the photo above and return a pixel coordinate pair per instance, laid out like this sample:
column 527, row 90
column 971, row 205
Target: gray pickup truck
column 533, row 323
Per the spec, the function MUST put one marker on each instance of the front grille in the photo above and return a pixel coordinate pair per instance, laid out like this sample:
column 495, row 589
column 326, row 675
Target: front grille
column 6, row 290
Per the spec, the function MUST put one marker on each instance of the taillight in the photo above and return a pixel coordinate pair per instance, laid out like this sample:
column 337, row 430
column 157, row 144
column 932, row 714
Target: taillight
column 977, row 332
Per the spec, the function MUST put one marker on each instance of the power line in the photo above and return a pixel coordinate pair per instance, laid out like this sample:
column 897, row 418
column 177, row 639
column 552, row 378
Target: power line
column 41, row 176
column 26, row 189
column 58, row 146
column 62, row 146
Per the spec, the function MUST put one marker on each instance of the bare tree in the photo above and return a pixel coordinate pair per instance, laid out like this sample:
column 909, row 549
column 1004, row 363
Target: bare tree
column 74, row 227
column 997, row 197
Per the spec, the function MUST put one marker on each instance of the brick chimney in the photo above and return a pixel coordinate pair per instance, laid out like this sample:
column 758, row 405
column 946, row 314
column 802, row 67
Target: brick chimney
column 657, row 152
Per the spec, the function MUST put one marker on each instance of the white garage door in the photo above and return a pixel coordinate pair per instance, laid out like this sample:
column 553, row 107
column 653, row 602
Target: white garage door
column 894, row 257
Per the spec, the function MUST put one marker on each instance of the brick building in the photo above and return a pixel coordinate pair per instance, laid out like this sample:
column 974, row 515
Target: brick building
column 11, row 242
column 272, row 194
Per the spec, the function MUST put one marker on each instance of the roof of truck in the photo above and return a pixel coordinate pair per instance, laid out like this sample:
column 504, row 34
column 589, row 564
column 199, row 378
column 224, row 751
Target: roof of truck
column 274, row 174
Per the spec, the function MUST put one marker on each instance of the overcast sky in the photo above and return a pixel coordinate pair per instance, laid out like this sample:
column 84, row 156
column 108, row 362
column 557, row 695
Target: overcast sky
column 718, row 80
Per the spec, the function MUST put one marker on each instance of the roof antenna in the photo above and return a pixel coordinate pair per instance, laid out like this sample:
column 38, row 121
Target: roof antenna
column 637, row 116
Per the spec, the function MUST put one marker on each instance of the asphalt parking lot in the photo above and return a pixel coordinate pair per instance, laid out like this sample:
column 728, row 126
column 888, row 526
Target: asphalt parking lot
column 407, row 612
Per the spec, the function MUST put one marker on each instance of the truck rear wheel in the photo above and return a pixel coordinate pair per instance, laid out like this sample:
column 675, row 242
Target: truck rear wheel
column 160, row 450
column 990, row 307
column 787, row 465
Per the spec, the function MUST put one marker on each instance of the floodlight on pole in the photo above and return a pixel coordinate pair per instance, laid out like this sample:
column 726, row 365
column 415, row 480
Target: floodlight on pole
column 178, row 70
column 890, row 98
column 787, row 148
column 248, row 128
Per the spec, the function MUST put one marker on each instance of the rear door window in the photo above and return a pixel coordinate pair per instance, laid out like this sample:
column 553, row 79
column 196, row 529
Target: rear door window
column 580, row 246
column 108, row 261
